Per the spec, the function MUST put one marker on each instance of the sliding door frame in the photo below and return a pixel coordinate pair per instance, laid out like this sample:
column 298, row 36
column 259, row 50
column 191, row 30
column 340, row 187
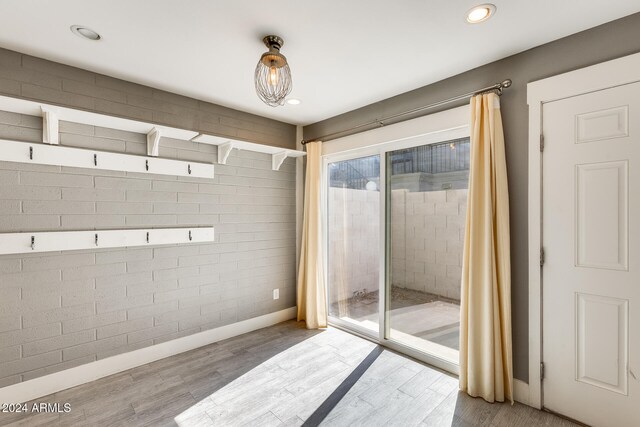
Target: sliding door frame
column 326, row 160
column 445, row 126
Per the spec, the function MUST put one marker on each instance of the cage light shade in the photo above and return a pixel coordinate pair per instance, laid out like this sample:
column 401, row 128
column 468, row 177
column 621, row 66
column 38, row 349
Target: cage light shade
column 273, row 75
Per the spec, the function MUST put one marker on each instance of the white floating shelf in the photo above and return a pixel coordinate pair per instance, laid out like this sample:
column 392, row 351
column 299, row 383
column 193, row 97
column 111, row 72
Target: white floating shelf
column 225, row 145
column 19, row 243
column 45, row 154
column 34, row 108
column 52, row 114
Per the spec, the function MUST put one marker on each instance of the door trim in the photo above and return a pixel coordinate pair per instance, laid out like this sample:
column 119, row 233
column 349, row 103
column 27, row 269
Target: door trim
column 590, row 79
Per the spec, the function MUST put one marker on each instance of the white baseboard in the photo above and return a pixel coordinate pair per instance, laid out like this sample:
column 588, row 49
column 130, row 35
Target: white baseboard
column 52, row 383
column 521, row 391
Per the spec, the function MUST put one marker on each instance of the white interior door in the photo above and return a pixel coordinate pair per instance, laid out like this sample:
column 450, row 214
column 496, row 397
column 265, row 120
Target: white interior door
column 591, row 274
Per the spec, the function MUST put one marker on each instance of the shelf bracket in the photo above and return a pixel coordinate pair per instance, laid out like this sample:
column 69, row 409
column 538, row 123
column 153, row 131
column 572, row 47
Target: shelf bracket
column 50, row 127
column 223, row 152
column 153, row 142
column 277, row 159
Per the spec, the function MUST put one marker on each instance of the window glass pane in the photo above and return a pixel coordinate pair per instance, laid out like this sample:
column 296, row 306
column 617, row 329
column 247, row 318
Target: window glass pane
column 354, row 240
column 426, row 219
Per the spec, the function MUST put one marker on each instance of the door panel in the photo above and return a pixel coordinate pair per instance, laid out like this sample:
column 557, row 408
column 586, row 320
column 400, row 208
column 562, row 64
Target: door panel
column 601, row 215
column 353, row 241
column 427, row 202
column 591, row 281
column 602, row 344
column 603, row 124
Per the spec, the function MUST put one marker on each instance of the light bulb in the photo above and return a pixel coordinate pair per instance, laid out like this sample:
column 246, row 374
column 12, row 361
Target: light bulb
column 273, row 76
column 478, row 14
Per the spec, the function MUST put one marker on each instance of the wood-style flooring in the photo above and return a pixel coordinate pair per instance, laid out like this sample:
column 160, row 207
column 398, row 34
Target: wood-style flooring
column 283, row 375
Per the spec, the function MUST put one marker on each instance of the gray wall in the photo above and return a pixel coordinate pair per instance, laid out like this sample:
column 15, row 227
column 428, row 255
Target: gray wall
column 64, row 309
column 59, row 310
column 34, row 78
column 609, row 41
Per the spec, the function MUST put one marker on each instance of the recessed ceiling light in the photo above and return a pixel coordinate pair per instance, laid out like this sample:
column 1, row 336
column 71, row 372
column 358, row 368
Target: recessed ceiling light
column 293, row 101
column 480, row 13
column 85, row 33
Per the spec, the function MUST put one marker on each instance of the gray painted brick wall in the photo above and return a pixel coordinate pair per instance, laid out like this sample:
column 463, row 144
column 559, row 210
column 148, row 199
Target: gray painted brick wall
column 60, row 310
column 28, row 77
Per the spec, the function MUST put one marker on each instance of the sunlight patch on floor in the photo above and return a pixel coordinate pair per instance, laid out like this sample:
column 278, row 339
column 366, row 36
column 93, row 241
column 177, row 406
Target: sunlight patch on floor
column 294, row 382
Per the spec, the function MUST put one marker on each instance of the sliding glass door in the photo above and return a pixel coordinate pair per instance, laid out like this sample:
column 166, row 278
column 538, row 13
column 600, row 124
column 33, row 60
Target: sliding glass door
column 395, row 219
column 426, row 206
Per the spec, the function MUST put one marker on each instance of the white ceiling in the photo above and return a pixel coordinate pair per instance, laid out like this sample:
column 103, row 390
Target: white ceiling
column 343, row 54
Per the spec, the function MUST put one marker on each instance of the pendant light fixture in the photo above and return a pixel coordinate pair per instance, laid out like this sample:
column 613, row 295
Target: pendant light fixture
column 273, row 76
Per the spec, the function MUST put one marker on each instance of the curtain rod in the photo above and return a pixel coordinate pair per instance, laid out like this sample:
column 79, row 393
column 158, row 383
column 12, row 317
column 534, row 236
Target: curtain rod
column 498, row 87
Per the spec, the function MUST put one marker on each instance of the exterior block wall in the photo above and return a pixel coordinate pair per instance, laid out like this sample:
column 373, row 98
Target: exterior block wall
column 354, row 242
column 427, row 238
column 427, row 234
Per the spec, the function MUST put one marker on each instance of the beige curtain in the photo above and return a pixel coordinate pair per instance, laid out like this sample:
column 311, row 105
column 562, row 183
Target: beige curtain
column 485, row 319
column 312, row 295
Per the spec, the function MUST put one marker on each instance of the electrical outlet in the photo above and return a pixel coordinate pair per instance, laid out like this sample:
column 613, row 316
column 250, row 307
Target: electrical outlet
column 276, row 293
